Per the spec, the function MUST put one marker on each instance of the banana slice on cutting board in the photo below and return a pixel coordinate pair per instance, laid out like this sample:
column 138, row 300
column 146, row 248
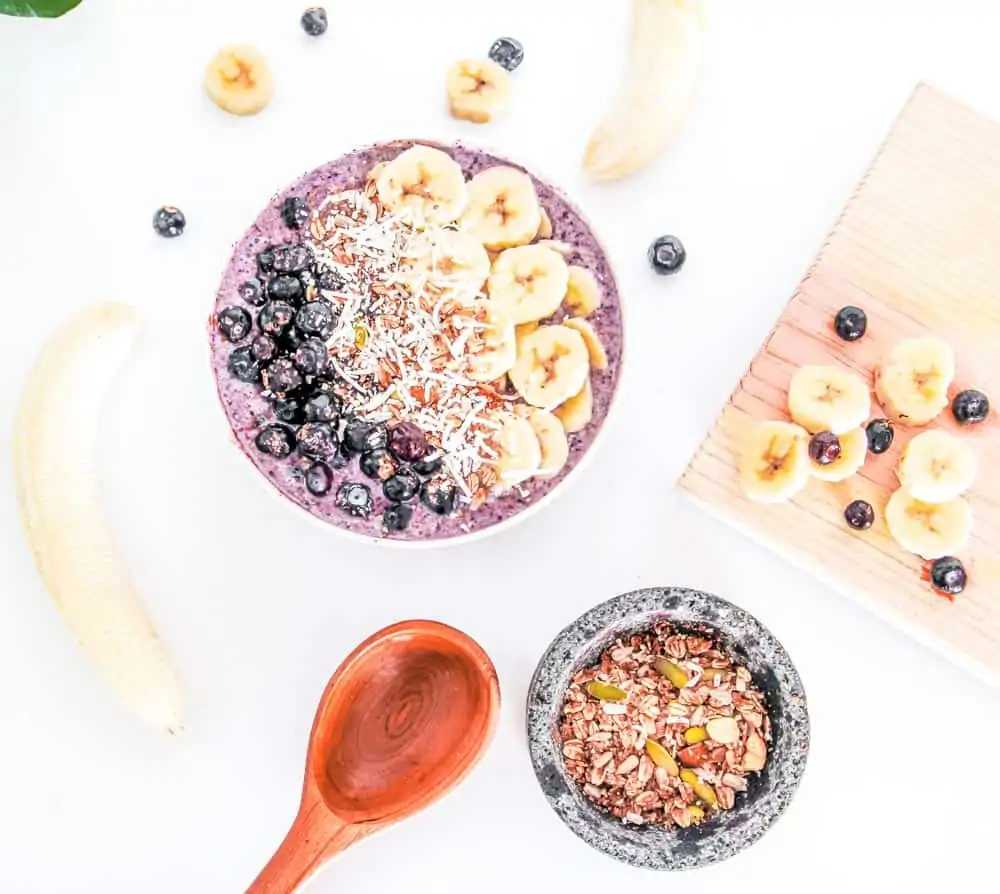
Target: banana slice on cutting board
column 828, row 398
column 931, row 530
column 583, row 294
column 774, row 462
column 853, row 453
column 496, row 329
column 426, row 182
column 577, row 412
column 238, row 79
column 595, row 348
column 451, row 259
column 937, row 467
column 552, row 440
column 477, row 89
column 503, row 208
column 552, row 366
column 520, row 452
column 56, row 468
column 912, row 381
column 528, row 282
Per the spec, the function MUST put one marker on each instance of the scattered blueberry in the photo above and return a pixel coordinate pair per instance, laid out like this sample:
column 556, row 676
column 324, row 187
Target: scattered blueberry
column 378, row 464
column 317, row 318
column 440, row 495
column 362, row 437
column 322, row 407
column 397, row 517
column 970, row 407
column 294, row 212
column 275, row 439
column 314, row 21
column 264, row 348
column 243, row 365
column 317, row 439
column 407, row 442
column 311, row 356
column 289, row 409
column 275, row 317
column 169, row 221
column 285, row 288
column 292, row 258
column 330, row 281
column 824, row 448
column 667, row 255
column 850, row 323
column 252, row 292
column 265, row 260
column 341, row 458
column 234, row 323
column 280, row 377
column 355, row 499
column 948, row 575
column 429, row 465
column 859, row 515
column 319, row 479
column 880, row 434
column 402, row 486
column 289, row 340
column 507, row 53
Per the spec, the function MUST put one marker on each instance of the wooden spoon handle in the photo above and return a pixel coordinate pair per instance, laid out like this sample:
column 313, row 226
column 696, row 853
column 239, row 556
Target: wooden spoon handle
column 315, row 836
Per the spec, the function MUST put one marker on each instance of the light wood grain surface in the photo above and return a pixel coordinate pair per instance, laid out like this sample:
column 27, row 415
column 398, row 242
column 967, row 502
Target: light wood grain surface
column 918, row 247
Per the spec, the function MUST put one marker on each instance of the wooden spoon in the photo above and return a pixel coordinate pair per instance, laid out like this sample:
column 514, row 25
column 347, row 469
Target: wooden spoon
column 403, row 719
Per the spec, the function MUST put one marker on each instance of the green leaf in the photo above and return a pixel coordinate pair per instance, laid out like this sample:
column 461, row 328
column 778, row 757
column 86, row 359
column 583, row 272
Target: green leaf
column 43, row 9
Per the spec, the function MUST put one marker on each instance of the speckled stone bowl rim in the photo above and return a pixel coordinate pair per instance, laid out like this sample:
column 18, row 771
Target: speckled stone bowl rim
column 575, row 647
column 582, row 463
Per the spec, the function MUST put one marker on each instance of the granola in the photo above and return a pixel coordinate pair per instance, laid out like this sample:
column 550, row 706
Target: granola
column 665, row 730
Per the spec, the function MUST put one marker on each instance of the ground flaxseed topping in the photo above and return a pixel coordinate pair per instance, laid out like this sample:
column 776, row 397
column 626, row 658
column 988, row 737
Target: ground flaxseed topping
column 665, row 730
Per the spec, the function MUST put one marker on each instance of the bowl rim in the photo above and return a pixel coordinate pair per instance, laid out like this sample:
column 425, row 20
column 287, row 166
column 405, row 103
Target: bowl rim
column 629, row 612
column 571, row 476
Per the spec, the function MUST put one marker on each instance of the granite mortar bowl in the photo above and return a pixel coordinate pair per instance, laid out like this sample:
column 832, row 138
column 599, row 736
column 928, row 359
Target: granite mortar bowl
column 750, row 643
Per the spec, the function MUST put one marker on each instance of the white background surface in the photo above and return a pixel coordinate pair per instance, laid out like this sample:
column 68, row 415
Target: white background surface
column 102, row 120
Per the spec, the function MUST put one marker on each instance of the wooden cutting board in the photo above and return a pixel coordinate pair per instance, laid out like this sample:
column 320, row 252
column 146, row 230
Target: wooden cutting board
column 918, row 247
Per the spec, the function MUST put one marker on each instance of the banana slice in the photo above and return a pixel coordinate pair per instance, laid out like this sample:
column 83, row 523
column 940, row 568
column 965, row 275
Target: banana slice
column 575, row 414
column 930, row 530
column 238, row 79
column 477, row 89
column 912, row 382
column 598, row 356
column 553, row 441
column 523, row 329
column 426, row 182
column 551, row 367
column 528, row 282
column 503, row 208
column 853, row 453
column 774, row 463
column 545, row 227
column 451, row 259
column 520, row 451
column 937, row 467
column 583, row 295
column 56, row 468
column 495, row 328
column 828, row 398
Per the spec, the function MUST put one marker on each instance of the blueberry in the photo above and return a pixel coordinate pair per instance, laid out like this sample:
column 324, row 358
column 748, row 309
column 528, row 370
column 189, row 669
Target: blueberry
column 294, row 212
column 507, row 53
column 378, row 464
column 317, row 318
column 429, row 465
column 948, row 575
column 234, row 323
column 169, row 221
column 859, row 515
column 275, row 439
column 330, row 281
column 319, row 479
column 314, row 21
column 264, row 348
column 265, row 260
column 824, row 448
column 252, row 292
column 317, row 439
column 289, row 409
column 275, row 317
column 311, row 356
column 667, row 255
column 355, row 499
column 342, row 458
column 440, row 495
column 322, row 406
column 850, row 323
column 290, row 340
column 280, row 377
column 970, row 407
column 880, row 434
column 407, row 442
column 402, row 486
column 397, row 517
column 243, row 366
column 292, row 258
column 285, row 288
column 361, row 437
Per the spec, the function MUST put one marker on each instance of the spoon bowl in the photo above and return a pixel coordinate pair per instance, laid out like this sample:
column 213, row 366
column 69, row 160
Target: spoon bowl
column 403, row 719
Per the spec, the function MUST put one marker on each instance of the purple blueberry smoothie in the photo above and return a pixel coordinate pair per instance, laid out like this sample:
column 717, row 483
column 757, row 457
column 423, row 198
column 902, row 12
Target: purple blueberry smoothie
column 263, row 395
